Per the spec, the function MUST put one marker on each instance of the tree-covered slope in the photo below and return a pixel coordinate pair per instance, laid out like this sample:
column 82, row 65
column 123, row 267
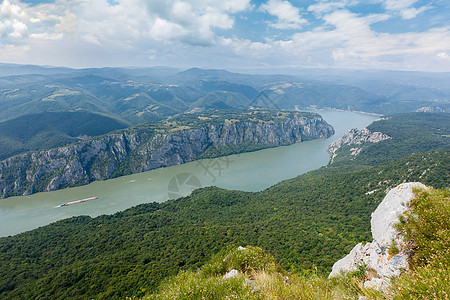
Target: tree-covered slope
column 52, row 129
column 306, row 223
column 250, row 273
column 409, row 133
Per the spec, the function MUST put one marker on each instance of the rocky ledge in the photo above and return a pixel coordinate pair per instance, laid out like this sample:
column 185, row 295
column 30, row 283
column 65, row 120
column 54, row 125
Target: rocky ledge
column 382, row 266
column 130, row 152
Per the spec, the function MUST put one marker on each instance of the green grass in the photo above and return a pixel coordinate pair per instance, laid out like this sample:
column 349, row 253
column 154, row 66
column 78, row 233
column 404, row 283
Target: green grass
column 258, row 278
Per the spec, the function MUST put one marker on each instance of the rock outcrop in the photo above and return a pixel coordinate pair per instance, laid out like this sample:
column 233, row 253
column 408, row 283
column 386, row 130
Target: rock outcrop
column 375, row 255
column 432, row 109
column 130, row 152
column 356, row 137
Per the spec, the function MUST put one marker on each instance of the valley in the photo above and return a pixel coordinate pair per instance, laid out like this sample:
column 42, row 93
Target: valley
column 136, row 95
column 253, row 171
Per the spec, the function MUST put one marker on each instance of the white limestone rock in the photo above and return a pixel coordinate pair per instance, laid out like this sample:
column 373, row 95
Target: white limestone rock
column 350, row 262
column 375, row 254
column 356, row 137
column 386, row 214
column 231, row 274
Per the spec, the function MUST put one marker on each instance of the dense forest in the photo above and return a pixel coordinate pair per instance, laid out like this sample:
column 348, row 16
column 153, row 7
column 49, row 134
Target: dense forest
column 306, row 223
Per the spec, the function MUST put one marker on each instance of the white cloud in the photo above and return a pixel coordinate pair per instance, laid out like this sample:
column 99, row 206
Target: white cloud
column 47, row 36
column 11, row 11
column 404, row 8
column 128, row 22
column 288, row 15
column 346, row 40
column 194, row 21
column 201, row 32
column 325, row 7
column 442, row 55
column 67, row 23
column 19, row 29
column 12, row 21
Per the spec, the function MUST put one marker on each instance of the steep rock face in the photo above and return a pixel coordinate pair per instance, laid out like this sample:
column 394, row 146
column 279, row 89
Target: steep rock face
column 130, row 152
column 375, row 254
column 356, row 137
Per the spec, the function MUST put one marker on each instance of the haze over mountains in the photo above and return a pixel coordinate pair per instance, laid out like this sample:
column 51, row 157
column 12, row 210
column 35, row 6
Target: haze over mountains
column 135, row 95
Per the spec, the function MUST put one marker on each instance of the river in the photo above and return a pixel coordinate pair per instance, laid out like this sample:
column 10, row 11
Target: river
column 253, row 171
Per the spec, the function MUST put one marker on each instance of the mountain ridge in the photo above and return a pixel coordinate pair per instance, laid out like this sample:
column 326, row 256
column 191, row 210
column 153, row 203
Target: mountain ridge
column 105, row 90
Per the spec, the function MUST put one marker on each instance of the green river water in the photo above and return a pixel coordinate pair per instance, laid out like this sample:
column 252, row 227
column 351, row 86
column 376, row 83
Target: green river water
column 252, row 171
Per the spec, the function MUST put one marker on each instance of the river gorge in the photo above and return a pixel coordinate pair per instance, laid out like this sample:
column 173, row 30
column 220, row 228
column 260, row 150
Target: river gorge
column 252, row 171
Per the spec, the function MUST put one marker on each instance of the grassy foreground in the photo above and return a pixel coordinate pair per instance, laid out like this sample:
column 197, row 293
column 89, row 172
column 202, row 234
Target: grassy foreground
column 426, row 228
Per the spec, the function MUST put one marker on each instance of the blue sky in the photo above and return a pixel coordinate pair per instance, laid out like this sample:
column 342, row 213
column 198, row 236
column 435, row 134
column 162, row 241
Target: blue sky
column 228, row 34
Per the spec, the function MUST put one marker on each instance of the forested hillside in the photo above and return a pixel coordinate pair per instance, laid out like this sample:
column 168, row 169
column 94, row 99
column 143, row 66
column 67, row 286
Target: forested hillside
column 48, row 130
column 250, row 273
column 408, row 133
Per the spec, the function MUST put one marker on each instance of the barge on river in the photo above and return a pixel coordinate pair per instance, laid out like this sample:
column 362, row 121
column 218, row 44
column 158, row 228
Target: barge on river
column 78, row 201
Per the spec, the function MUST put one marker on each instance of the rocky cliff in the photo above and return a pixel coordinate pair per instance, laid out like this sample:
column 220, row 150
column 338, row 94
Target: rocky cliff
column 382, row 265
column 356, row 137
column 136, row 151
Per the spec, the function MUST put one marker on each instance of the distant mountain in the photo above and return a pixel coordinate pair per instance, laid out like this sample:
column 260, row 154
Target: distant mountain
column 137, row 95
column 17, row 69
column 52, row 129
column 116, row 72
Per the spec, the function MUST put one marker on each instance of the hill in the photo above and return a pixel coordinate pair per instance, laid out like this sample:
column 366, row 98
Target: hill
column 250, row 273
column 306, row 223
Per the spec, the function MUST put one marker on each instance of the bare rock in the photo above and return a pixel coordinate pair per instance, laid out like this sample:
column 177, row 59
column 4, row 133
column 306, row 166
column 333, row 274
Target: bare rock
column 375, row 255
column 356, row 137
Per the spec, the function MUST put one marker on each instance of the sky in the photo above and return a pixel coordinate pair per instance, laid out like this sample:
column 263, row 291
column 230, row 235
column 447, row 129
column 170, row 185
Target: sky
column 228, row 34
